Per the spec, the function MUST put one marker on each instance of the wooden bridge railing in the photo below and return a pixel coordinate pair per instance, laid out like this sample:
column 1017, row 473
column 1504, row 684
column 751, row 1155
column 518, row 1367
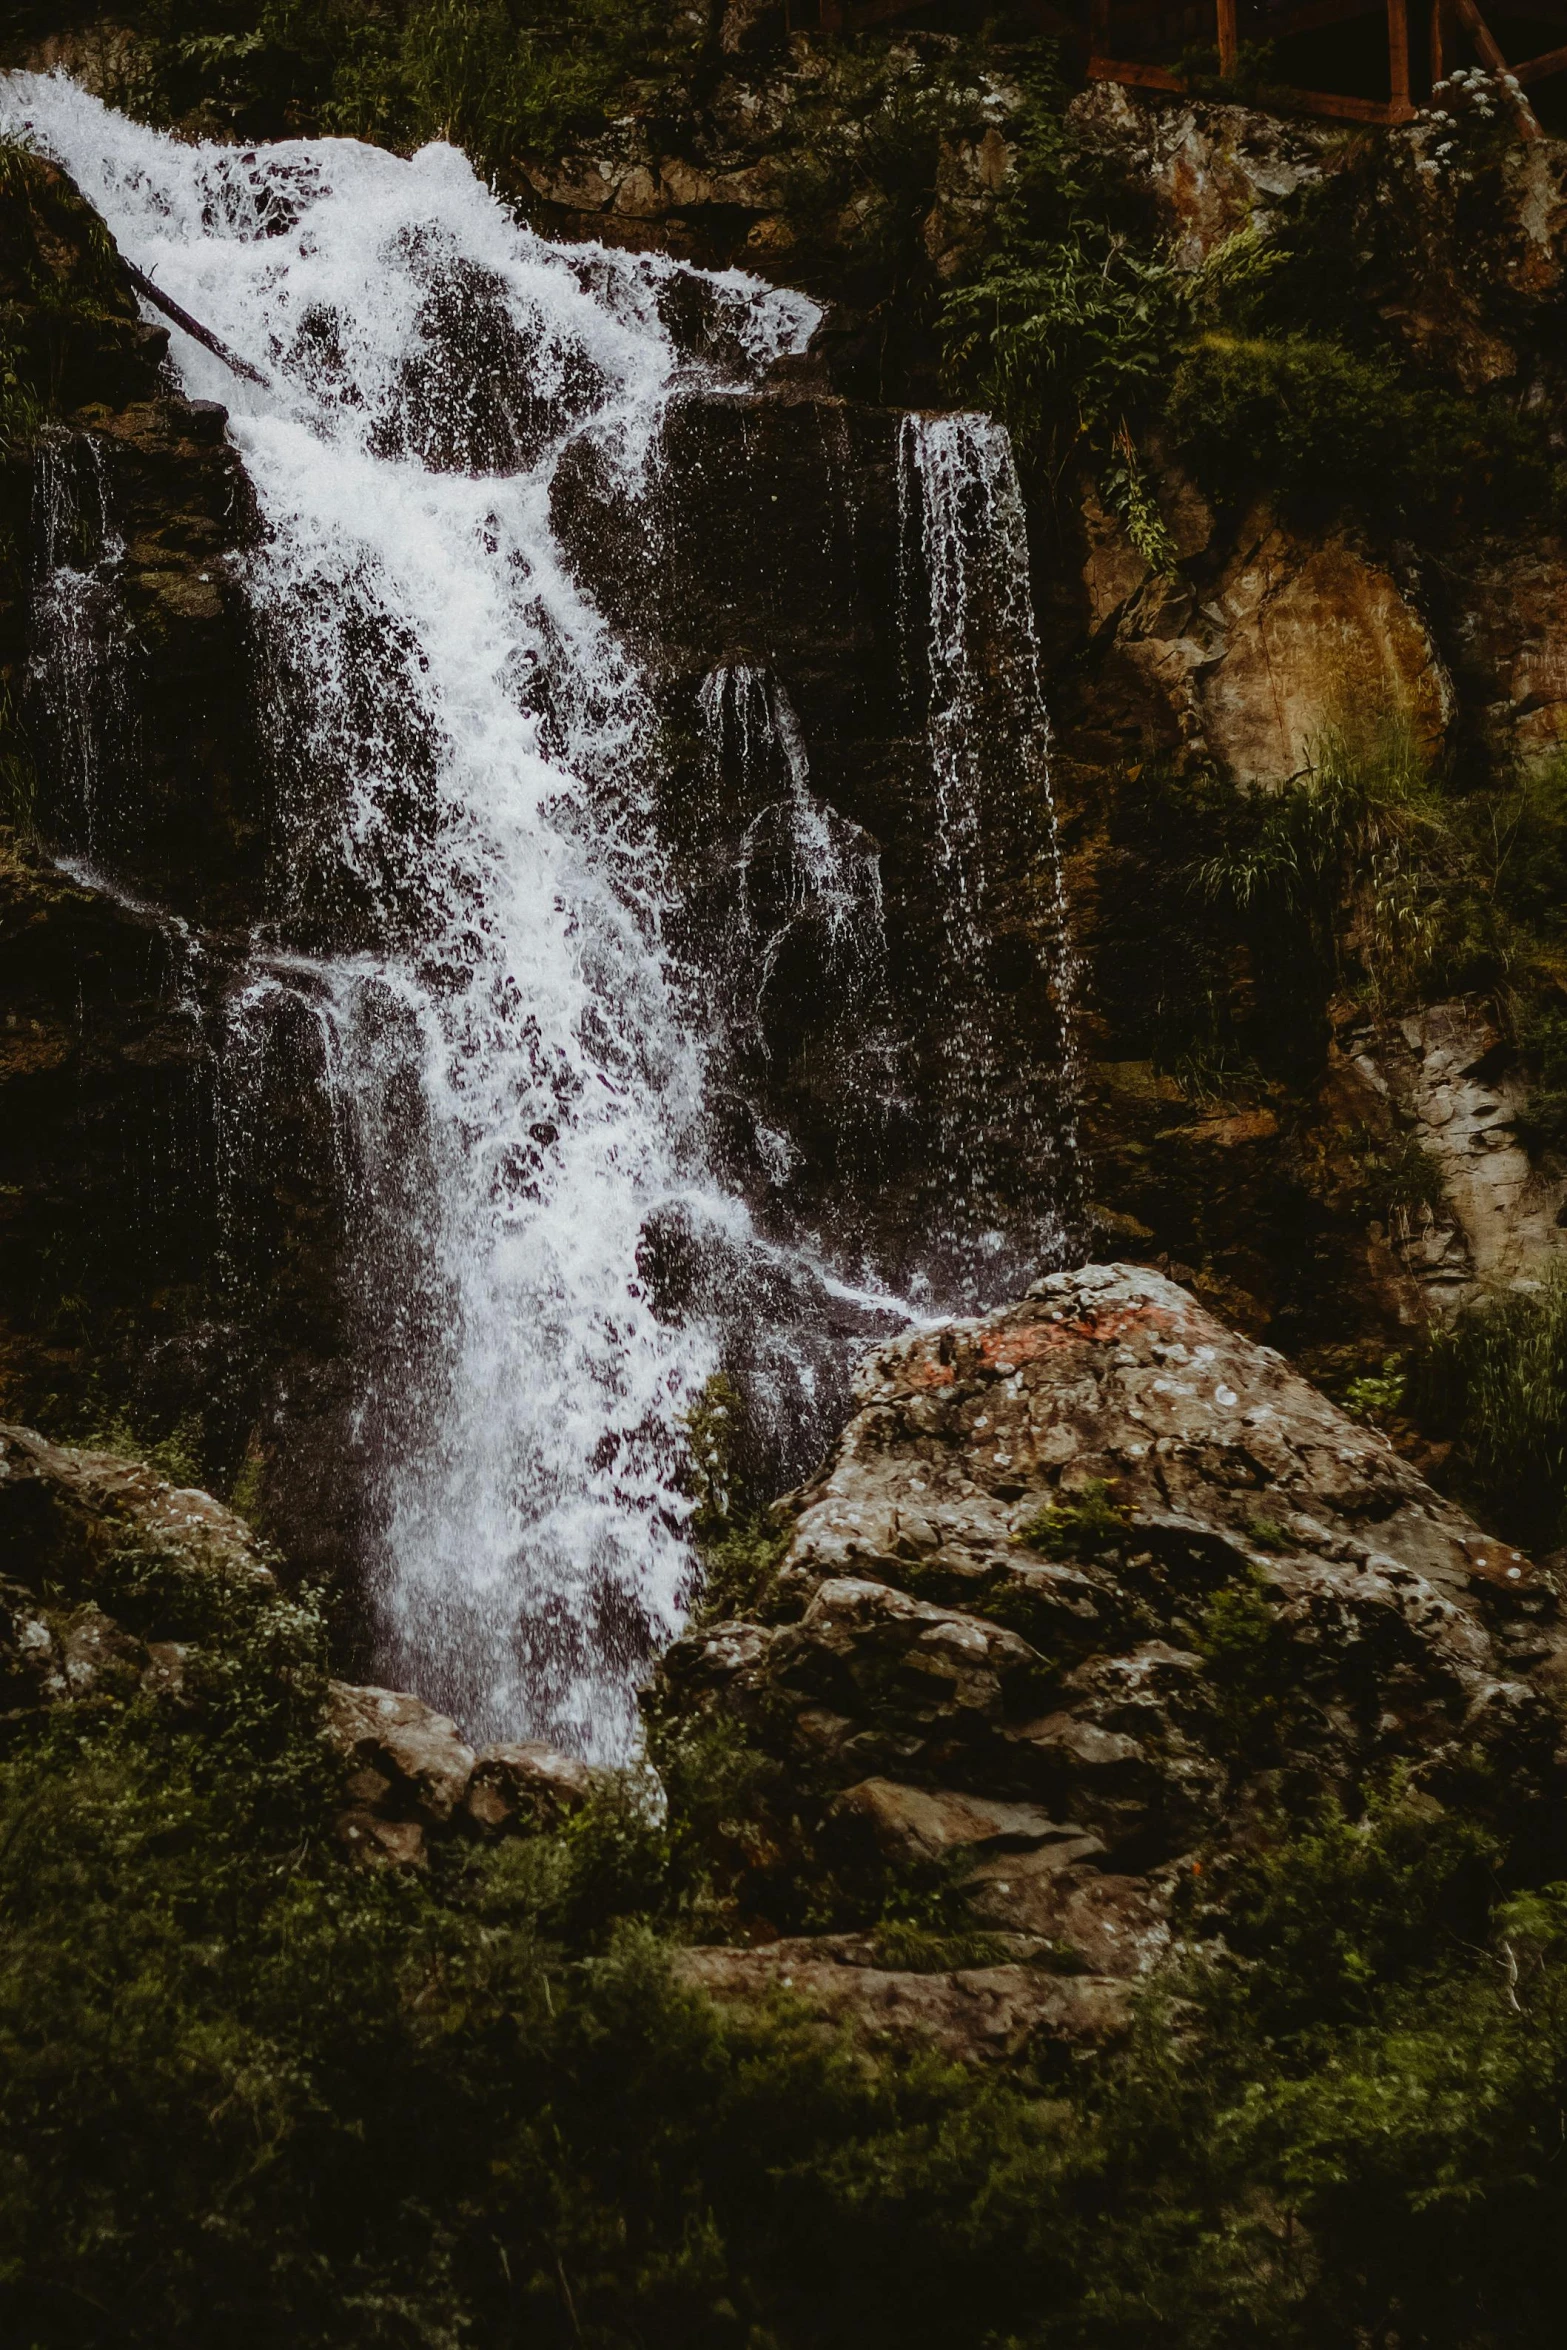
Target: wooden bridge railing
column 1454, row 26
column 1451, row 20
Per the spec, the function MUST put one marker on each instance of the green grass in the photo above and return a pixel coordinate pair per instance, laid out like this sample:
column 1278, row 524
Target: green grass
column 1495, row 1384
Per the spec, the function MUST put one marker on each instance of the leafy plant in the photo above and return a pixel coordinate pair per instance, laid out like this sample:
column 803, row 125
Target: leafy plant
column 177, row 1456
column 1542, row 1122
column 1496, row 1384
column 739, row 1545
column 1095, row 337
column 1268, row 1534
column 1378, row 1396
column 1364, row 825
column 1082, row 1527
column 1400, row 1179
column 1251, row 1666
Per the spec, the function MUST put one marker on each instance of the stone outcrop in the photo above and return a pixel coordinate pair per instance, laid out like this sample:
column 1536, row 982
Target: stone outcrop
column 1090, row 1587
column 715, row 179
column 1457, row 1086
column 975, row 2015
column 411, row 1776
column 81, row 1528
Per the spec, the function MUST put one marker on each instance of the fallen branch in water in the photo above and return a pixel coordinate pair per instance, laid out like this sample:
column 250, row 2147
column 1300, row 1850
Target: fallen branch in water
column 192, row 326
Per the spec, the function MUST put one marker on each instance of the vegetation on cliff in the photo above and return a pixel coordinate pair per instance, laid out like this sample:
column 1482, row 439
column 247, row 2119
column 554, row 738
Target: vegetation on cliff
column 251, row 2092
column 496, row 76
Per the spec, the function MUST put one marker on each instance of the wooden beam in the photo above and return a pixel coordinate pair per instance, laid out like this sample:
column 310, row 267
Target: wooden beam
column 1540, row 69
column 1399, row 108
column 1334, row 106
column 1491, row 56
column 1228, row 45
column 1331, row 104
column 1438, row 41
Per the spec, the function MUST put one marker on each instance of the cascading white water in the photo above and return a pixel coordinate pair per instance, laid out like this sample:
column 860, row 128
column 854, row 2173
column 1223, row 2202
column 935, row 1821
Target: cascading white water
column 467, row 921
column 78, row 660
column 968, row 601
column 822, row 869
column 462, row 786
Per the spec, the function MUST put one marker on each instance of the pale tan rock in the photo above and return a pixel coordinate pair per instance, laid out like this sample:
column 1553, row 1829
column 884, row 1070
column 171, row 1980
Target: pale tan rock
column 920, row 1823
column 1460, row 1086
column 1216, row 169
column 1315, row 640
column 64, row 1511
column 406, row 1741
column 1074, row 1767
column 525, row 1781
column 977, row 2015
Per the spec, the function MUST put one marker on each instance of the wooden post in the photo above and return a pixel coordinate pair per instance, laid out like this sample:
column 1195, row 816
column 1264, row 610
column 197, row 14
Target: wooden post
column 1399, row 108
column 1228, row 45
column 1438, row 42
column 1492, row 59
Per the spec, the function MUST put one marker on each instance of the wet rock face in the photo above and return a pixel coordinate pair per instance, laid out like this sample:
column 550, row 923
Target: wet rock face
column 128, row 749
column 1090, row 1584
column 123, row 644
column 774, row 584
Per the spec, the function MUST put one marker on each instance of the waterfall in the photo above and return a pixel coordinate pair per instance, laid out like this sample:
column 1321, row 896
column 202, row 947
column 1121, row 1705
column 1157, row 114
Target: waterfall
column 968, row 606
column 79, row 656
column 800, row 865
column 469, row 934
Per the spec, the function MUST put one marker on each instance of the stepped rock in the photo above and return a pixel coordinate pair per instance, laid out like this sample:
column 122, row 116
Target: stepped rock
column 974, row 2014
column 411, row 1774
column 1092, row 1583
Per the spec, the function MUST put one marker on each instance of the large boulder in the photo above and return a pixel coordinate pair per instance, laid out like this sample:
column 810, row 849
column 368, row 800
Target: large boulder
column 1091, row 1587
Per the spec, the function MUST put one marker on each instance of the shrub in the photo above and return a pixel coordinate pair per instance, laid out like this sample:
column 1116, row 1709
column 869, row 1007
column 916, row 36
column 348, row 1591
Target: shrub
column 1082, row 1527
column 1542, row 1122
column 252, row 2093
column 1496, row 1384
column 1252, row 1665
column 1319, row 424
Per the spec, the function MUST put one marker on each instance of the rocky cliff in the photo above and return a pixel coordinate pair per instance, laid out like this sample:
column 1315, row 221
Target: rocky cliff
column 1095, row 1601
column 1244, row 1103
